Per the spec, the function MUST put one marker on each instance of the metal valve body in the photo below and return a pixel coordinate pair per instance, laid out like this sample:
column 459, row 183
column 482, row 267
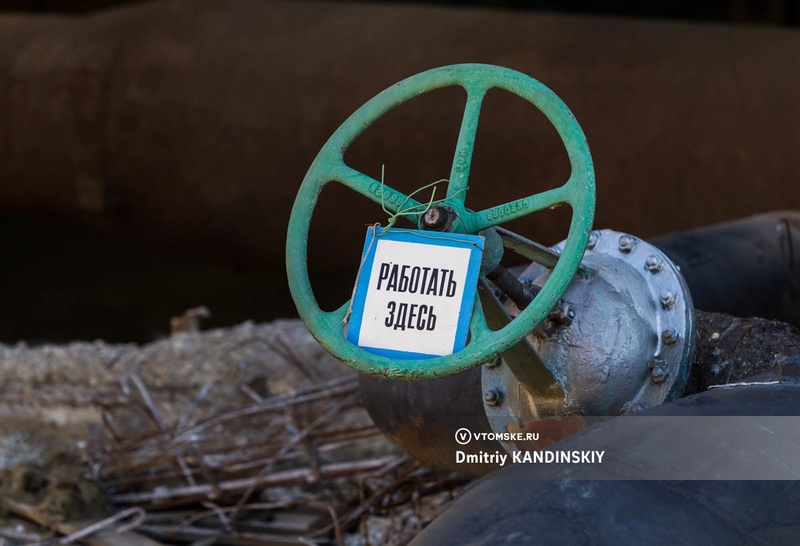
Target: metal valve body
column 620, row 340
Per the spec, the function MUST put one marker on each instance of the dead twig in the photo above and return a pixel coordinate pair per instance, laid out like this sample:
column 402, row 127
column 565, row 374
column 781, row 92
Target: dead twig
column 289, row 477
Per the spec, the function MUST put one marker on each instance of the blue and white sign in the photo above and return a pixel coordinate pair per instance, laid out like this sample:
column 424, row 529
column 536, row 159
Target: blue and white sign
column 414, row 293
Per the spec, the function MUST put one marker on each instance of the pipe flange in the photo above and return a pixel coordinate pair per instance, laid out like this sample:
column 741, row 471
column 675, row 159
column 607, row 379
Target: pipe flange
column 620, row 340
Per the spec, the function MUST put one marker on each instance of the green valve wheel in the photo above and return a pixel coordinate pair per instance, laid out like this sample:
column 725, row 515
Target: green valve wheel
column 329, row 166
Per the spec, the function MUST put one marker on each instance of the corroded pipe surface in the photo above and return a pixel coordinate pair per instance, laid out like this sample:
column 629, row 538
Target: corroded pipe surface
column 422, row 417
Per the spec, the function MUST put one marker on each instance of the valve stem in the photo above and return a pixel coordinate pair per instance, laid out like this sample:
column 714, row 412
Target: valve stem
column 518, row 292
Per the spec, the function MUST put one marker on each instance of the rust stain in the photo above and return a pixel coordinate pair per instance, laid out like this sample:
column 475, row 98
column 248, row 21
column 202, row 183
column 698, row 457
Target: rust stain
column 550, row 430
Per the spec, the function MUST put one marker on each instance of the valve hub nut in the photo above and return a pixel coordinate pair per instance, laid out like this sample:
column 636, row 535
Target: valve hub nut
column 436, row 218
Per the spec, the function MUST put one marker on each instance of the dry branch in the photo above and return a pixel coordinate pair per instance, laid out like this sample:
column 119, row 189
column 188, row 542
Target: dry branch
column 247, row 435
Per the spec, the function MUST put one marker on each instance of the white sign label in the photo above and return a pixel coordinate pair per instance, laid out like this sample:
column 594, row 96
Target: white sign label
column 415, row 293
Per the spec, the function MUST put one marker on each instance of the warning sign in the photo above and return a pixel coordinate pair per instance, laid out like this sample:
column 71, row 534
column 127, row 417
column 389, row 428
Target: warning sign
column 414, row 293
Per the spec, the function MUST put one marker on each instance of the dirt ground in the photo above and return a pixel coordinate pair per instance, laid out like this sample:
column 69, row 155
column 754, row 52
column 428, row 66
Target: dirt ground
column 730, row 349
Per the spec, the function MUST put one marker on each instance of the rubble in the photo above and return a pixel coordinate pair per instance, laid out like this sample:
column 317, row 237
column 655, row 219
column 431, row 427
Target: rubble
column 245, row 435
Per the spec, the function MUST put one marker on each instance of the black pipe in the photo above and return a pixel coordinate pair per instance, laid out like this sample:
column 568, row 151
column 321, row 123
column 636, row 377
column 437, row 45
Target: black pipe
column 505, row 280
column 746, row 268
column 602, row 504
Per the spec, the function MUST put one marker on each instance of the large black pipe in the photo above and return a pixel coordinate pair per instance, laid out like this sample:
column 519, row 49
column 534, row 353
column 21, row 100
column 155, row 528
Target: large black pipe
column 750, row 267
column 746, row 268
column 552, row 504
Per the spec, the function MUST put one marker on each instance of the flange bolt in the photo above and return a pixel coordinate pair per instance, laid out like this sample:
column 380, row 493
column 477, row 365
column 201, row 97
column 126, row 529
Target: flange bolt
column 561, row 314
column 658, row 371
column 668, row 299
column 594, row 239
column 653, row 264
column 632, row 407
column 493, row 397
column 626, row 243
column 659, row 375
column 492, row 364
column 669, row 336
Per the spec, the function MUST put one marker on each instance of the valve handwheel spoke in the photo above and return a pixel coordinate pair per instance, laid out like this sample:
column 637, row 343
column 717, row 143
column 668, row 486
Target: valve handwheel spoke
column 494, row 216
column 329, row 165
column 372, row 189
column 465, row 146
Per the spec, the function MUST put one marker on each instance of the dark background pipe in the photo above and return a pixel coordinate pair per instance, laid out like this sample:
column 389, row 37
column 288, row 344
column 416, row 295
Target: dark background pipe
column 748, row 267
column 184, row 128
